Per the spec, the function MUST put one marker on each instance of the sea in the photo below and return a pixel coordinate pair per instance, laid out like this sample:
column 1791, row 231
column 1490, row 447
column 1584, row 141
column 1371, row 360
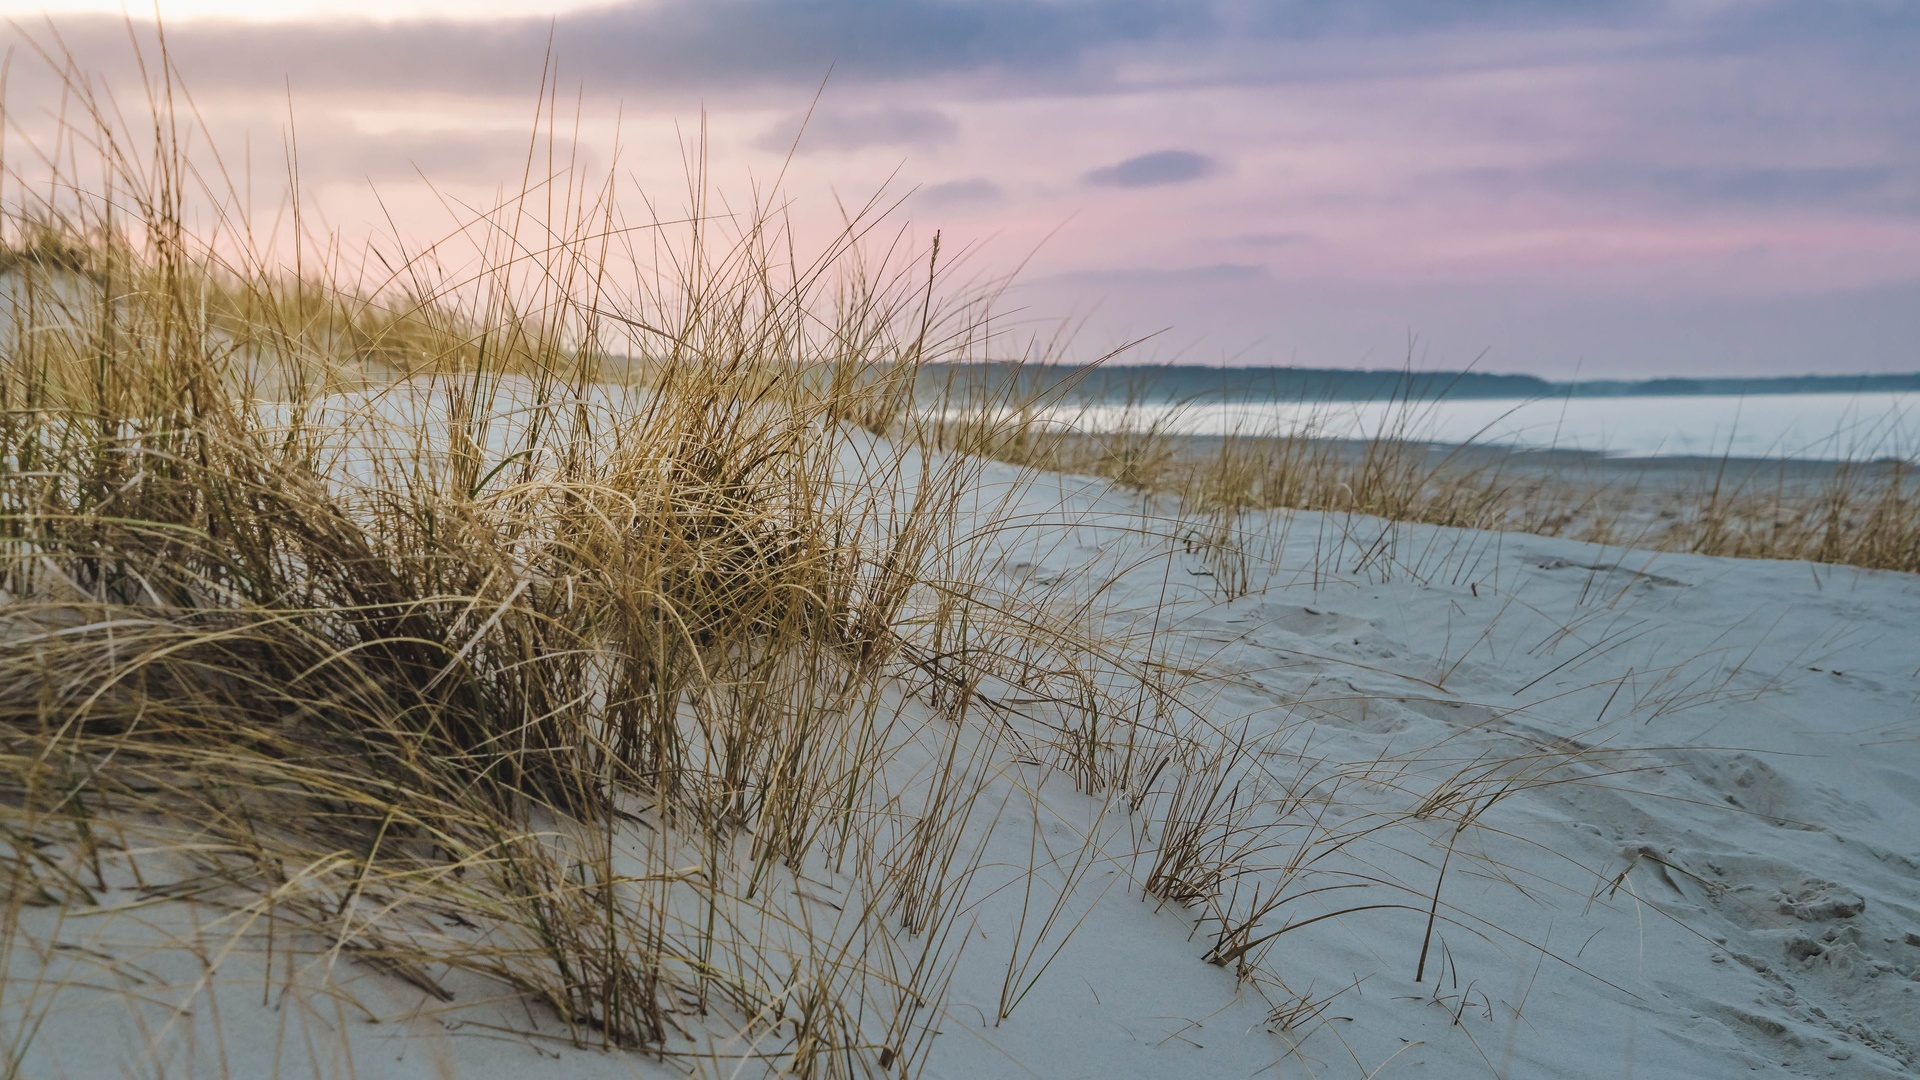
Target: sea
column 1816, row 427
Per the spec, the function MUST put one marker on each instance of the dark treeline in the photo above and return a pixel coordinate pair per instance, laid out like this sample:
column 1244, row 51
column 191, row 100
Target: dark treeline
column 1164, row 383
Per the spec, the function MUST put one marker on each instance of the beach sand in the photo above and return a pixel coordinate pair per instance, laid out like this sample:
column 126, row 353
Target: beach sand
column 1669, row 806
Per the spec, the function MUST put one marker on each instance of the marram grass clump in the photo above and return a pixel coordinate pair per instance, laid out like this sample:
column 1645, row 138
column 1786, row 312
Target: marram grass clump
column 496, row 625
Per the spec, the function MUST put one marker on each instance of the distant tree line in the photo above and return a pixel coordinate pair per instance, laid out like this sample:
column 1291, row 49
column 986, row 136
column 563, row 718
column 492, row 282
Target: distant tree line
column 1114, row 383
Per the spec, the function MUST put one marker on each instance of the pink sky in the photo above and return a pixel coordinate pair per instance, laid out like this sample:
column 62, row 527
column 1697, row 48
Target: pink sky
column 1646, row 188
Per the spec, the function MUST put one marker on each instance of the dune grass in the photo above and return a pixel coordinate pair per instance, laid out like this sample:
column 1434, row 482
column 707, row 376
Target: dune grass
column 373, row 609
column 1864, row 512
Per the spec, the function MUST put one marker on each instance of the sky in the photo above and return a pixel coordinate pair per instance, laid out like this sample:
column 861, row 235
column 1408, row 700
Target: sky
column 1620, row 188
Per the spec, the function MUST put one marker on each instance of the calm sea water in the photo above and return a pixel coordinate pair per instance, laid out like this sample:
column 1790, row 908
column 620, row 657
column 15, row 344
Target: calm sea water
column 1828, row 427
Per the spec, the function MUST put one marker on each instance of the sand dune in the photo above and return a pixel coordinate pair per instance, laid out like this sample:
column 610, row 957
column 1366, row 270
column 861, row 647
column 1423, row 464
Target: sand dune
column 1670, row 806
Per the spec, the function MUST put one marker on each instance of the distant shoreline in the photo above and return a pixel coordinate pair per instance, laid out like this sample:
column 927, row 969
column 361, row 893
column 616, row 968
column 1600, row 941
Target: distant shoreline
column 1142, row 383
column 1565, row 462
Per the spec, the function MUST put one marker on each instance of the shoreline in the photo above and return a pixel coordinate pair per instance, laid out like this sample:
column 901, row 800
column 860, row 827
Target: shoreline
column 1481, row 455
column 1859, row 513
column 1123, row 383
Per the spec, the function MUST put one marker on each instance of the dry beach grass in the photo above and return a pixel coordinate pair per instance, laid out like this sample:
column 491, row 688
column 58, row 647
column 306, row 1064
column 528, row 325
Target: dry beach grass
column 1860, row 512
column 363, row 613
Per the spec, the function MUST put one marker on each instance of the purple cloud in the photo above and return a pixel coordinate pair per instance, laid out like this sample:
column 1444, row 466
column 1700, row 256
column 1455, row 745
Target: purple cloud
column 1154, row 170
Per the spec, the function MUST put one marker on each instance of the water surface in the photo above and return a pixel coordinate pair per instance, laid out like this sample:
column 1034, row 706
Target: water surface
column 1825, row 427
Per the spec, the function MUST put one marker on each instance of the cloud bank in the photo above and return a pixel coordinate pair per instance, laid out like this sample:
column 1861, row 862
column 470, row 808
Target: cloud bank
column 1686, row 152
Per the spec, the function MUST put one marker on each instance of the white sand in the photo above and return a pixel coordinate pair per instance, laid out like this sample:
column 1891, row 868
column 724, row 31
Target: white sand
column 1704, row 859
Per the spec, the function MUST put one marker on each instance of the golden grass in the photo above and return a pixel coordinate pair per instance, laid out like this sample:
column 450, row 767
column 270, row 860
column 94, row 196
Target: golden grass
column 361, row 607
column 1861, row 513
